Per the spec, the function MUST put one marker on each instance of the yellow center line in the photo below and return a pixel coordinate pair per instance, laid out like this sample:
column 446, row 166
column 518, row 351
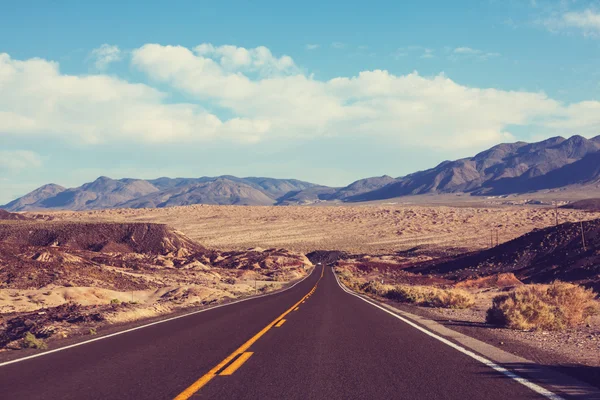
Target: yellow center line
column 296, row 309
column 236, row 364
column 280, row 323
column 200, row 383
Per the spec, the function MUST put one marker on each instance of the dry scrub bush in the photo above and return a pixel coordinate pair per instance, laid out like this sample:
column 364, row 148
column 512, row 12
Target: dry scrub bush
column 421, row 295
column 31, row 342
column 347, row 278
column 544, row 307
column 431, row 296
column 376, row 288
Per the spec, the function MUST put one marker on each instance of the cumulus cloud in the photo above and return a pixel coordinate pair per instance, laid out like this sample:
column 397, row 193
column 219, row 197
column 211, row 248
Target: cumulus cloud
column 37, row 99
column 311, row 46
column 259, row 59
column 105, row 55
column 15, row 160
column 338, row 45
column 267, row 97
column 585, row 21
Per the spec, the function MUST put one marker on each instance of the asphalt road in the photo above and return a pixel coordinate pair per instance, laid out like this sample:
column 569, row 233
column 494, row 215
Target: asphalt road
column 332, row 345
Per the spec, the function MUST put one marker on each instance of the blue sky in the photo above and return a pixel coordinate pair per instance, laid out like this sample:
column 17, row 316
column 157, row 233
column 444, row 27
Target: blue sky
column 328, row 93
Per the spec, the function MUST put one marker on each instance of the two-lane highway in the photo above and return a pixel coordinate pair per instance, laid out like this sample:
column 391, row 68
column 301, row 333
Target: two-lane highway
column 313, row 341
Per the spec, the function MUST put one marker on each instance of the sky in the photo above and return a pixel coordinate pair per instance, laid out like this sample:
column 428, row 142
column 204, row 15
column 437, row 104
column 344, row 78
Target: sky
column 328, row 92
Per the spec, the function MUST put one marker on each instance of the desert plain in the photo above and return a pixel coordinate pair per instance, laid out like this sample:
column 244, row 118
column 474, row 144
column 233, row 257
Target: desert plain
column 357, row 229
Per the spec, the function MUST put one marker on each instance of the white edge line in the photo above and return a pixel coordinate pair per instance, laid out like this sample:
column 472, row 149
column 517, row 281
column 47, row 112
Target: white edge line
column 536, row 388
column 147, row 325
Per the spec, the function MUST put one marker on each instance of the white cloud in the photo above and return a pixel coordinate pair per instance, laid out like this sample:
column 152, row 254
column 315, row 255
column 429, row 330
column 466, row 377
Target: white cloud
column 412, row 50
column 38, row 100
column 312, row 46
column 105, row 55
column 338, row 45
column 586, row 21
column 15, row 160
column 259, row 59
column 267, row 97
column 468, row 52
column 427, row 53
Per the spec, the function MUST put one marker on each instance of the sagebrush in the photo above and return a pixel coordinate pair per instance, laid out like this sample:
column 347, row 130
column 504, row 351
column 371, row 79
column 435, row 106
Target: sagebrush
column 32, row 342
column 421, row 295
column 556, row 306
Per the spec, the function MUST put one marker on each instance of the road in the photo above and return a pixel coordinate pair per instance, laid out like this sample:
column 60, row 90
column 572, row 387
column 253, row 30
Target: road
column 332, row 345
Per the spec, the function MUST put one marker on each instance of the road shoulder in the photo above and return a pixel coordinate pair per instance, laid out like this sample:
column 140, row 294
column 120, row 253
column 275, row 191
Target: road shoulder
column 545, row 376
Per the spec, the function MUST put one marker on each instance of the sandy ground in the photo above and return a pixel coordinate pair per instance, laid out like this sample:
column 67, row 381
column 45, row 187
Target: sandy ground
column 19, row 300
column 368, row 228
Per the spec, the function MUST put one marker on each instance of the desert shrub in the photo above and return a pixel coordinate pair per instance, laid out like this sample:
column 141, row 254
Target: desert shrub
column 454, row 298
column 347, row 279
column 92, row 331
column 31, row 342
column 115, row 301
column 376, row 288
column 431, row 296
column 556, row 306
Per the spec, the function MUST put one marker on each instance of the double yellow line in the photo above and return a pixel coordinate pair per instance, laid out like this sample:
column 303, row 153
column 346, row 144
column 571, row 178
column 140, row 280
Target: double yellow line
column 239, row 356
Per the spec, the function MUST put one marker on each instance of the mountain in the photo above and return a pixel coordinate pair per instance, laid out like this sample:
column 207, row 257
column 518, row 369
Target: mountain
column 102, row 193
column 507, row 168
column 504, row 169
column 35, row 197
column 219, row 191
column 105, row 192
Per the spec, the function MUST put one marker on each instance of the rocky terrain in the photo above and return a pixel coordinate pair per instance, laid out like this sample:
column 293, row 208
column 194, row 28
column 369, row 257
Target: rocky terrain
column 569, row 252
column 62, row 278
column 554, row 164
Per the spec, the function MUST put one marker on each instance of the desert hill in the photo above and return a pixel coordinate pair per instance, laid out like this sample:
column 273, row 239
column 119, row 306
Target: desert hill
column 587, row 204
column 7, row 216
column 99, row 237
column 541, row 256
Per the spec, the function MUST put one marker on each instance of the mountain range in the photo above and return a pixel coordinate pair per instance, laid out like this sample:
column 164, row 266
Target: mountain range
column 503, row 169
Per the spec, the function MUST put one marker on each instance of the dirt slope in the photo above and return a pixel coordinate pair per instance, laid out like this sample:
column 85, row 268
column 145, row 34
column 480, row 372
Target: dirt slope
column 131, row 237
column 540, row 256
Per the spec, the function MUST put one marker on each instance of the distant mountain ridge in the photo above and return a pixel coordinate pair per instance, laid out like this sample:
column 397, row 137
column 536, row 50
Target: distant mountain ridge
column 105, row 192
column 503, row 169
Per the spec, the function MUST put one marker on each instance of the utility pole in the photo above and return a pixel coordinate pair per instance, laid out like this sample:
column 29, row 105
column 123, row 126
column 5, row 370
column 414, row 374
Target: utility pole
column 497, row 237
column 583, row 236
column 556, row 212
